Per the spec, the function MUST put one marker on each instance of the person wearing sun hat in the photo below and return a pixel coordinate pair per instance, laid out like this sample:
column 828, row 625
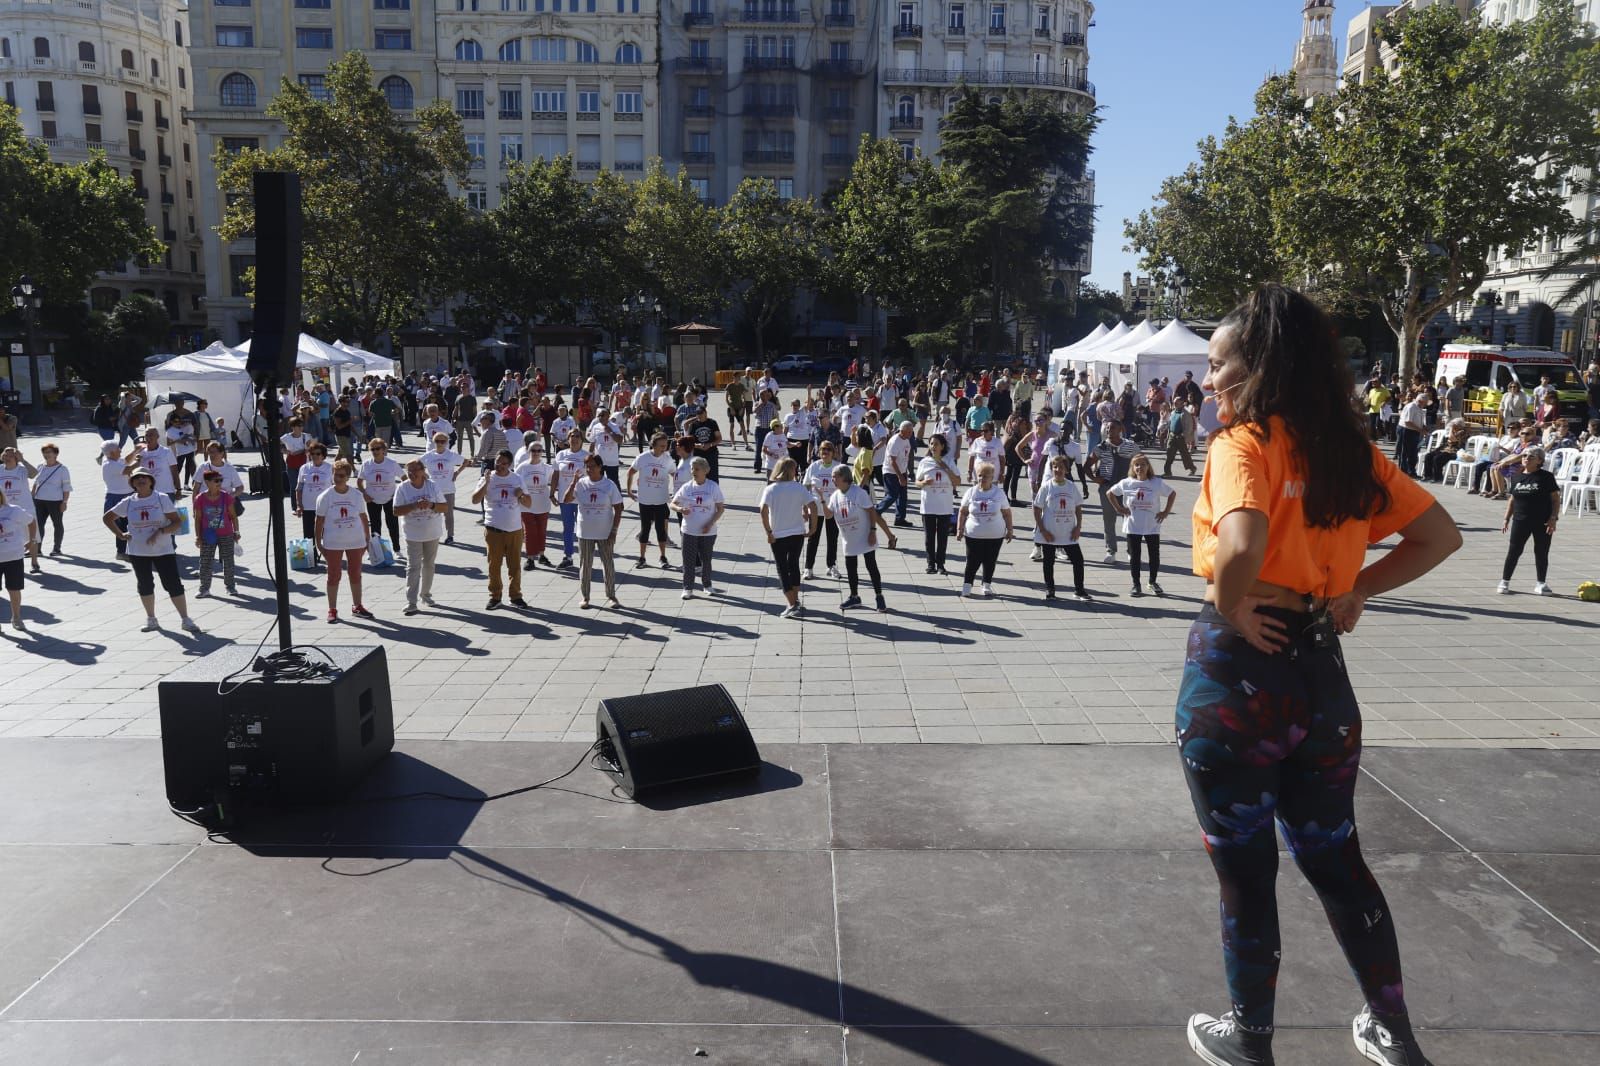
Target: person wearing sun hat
column 151, row 521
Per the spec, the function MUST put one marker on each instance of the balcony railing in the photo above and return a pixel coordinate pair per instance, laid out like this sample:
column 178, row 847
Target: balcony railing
column 838, row 114
column 905, row 30
column 91, row 107
column 699, row 158
column 839, row 22
column 475, row 163
column 932, row 76
column 88, row 66
column 1042, row 32
column 169, row 235
column 954, row 30
column 905, row 122
column 769, row 155
column 630, row 166
column 837, row 160
column 547, row 116
column 163, row 160
column 699, row 64
column 168, row 199
column 997, row 31
column 141, row 192
column 469, row 112
column 698, row 18
column 588, row 116
column 628, row 116
column 1073, row 40
column 837, row 68
column 507, row 113
column 749, row 15
column 588, row 164
column 769, row 62
column 769, row 110
column 699, row 111
column 140, row 154
column 135, row 115
column 163, row 122
column 45, row 103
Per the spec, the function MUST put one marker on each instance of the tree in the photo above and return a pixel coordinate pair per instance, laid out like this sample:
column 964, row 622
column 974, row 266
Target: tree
column 611, row 269
column 61, row 224
column 1021, row 161
column 675, row 236
column 772, row 246
column 378, row 211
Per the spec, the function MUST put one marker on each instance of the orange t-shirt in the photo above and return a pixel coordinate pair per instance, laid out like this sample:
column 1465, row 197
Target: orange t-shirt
column 1243, row 471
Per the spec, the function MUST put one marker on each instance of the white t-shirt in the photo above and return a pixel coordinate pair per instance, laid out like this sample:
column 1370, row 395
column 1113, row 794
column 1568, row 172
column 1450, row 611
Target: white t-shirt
column 940, row 497
column 850, row 418
column 158, row 464
column 1143, row 500
column 683, row 473
column 1063, row 446
column 436, row 425
column 536, row 483
column 425, row 524
column 597, row 507
column 342, row 515
column 700, row 518
column 1058, row 512
column 500, row 499
column 231, row 481
column 607, row 445
column 897, row 456
column 314, row 481
column 984, row 505
column 989, row 451
column 654, row 473
column 442, row 468
column 786, row 507
column 381, row 479
column 14, row 522
column 14, row 483
column 146, row 515
column 880, row 443
column 561, row 427
column 774, row 446
column 951, row 434
column 114, row 472
column 295, row 443
column 569, row 468
column 181, row 439
column 797, row 425
column 850, row 510
column 52, row 483
column 819, row 479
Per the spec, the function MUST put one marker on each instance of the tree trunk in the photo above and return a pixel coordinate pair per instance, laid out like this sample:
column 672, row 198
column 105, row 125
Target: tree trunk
column 994, row 306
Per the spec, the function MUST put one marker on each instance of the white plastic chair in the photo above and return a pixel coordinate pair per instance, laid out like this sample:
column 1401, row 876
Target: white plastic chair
column 1584, row 489
column 1561, row 461
column 1461, row 469
column 1435, row 441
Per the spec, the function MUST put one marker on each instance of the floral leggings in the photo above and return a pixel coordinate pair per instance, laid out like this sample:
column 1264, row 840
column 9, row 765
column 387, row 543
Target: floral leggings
column 1264, row 736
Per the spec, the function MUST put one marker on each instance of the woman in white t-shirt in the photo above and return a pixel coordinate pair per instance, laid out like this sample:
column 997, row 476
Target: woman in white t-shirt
column 701, row 504
column 342, row 533
column 16, row 475
column 599, row 503
column 52, row 489
column 1057, row 521
column 149, row 521
column 938, row 480
column 537, row 476
column 444, row 465
column 985, row 522
column 18, row 531
column 774, row 446
column 316, row 477
column 1138, row 498
column 819, row 479
column 650, row 482
column 420, row 504
column 378, row 478
column 569, row 464
column 788, row 511
column 851, row 507
column 217, row 459
column 114, row 471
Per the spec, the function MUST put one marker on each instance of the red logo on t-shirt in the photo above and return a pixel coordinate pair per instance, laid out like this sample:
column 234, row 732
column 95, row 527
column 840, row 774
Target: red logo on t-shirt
column 344, row 512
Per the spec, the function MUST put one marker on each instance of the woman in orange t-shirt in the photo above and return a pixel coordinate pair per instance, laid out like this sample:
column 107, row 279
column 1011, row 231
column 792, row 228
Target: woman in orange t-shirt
column 1267, row 722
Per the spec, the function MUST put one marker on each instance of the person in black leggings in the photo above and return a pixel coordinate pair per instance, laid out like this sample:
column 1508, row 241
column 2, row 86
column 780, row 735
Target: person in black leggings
column 788, row 510
column 938, row 480
column 984, row 522
column 1266, row 720
column 819, row 479
column 1532, row 510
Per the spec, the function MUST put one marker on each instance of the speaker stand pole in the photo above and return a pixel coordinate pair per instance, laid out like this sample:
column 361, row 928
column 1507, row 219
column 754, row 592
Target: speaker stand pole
column 277, row 488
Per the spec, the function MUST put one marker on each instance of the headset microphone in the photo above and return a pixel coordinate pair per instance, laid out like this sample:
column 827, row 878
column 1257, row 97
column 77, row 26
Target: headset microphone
column 1230, row 388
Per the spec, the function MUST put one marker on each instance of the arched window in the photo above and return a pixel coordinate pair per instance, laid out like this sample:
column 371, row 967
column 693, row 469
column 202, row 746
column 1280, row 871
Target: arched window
column 628, row 52
column 41, row 48
column 587, row 53
column 469, row 51
column 86, row 51
column 398, row 92
column 905, row 108
column 547, row 49
column 127, row 59
column 238, row 91
column 511, row 51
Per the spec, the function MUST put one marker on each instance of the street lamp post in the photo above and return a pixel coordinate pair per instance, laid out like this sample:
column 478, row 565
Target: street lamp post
column 26, row 298
column 1491, row 300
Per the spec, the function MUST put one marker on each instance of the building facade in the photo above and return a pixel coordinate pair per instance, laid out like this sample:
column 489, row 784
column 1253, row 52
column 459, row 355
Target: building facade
column 1316, row 62
column 112, row 76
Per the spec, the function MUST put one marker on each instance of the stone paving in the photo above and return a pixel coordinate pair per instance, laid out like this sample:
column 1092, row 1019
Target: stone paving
column 1445, row 662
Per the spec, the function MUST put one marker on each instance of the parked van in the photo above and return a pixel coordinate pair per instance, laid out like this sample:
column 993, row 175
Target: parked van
column 1490, row 368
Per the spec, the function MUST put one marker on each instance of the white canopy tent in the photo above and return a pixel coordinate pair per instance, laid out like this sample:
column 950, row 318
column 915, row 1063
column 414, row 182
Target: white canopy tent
column 215, row 374
column 371, row 363
column 312, row 354
column 1106, row 359
column 1168, row 354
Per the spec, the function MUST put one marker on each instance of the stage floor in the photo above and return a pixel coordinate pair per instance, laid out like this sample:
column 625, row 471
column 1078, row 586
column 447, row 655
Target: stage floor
column 859, row 904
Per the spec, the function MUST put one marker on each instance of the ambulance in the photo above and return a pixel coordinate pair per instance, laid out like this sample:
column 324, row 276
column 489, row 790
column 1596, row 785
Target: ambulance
column 1490, row 368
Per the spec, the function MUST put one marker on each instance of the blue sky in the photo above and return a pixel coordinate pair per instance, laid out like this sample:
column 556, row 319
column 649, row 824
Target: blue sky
column 1166, row 73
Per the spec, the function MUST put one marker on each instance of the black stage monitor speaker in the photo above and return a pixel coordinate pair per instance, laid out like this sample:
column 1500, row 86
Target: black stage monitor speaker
column 265, row 740
column 277, row 313
column 666, row 738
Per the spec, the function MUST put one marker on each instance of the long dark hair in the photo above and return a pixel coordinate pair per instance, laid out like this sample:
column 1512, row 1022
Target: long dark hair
column 1295, row 372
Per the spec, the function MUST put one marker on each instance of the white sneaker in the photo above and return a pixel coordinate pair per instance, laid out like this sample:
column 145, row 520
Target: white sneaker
column 1541, row 589
column 987, row 591
column 150, row 625
column 810, row 575
column 688, row 594
column 1109, row 557
column 1038, row 555
column 712, row 590
column 789, row 612
column 833, row 572
column 966, row 589
column 190, row 625
column 1504, row 588
column 17, row 624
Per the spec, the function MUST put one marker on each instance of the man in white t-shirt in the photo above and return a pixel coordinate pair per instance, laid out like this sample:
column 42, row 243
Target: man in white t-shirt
column 1413, row 424
column 421, row 506
column 444, row 465
column 897, row 466
column 158, row 462
column 503, row 497
column 18, row 532
column 435, row 423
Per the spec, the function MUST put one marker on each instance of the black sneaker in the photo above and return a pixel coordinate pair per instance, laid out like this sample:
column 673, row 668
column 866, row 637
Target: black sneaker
column 883, row 605
column 1390, row 1043
column 1137, row 591
column 518, row 601
column 849, row 602
column 545, row 562
column 565, row 564
column 529, row 564
column 1221, row 1042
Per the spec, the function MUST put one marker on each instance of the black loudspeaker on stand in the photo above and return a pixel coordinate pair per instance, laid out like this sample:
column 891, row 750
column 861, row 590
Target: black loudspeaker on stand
column 668, row 738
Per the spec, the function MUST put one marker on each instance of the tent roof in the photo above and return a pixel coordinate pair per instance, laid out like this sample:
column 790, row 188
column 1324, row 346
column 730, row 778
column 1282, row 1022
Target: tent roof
column 315, row 353
column 217, row 361
column 1094, row 335
column 1128, row 344
column 1110, row 339
column 1175, row 339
